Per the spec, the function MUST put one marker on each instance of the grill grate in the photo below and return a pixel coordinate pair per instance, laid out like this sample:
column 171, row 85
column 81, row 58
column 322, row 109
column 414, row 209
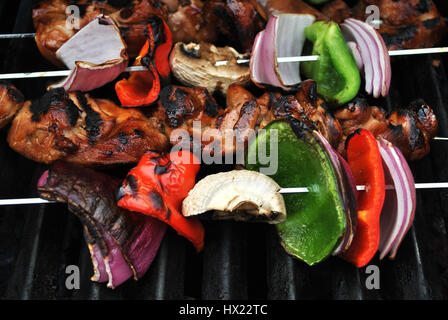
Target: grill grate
column 239, row 261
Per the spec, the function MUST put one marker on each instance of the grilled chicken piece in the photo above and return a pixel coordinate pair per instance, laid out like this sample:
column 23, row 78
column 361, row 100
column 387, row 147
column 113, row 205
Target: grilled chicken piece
column 406, row 24
column 181, row 108
column 238, row 21
column 269, row 7
column 337, row 10
column 410, row 129
column 359, row 114
column 79, row 129
column 235, row 21
column 11, row 100
column 52, row 30
column 242, row 117
column 190, row 22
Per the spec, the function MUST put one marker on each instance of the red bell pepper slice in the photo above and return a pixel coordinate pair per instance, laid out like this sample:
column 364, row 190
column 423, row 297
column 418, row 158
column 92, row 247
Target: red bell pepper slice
column 157, row 187
column 163, row 48
column 142, row 88
column 364, row 159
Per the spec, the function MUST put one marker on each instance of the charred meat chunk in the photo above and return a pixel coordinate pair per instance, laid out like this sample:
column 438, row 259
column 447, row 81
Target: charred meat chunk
column 11, row 100
column 405, row 24
column 77, row 128
column 410, row 129
column 52, row 30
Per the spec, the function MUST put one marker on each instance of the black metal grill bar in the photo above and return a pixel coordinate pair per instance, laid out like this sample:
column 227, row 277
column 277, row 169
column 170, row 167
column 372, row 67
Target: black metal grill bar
column 239, row 261
column 224, row 268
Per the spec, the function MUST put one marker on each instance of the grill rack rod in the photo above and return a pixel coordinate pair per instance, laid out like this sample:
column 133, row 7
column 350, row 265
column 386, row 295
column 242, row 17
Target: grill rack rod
column 65, row 73
column 418, row 186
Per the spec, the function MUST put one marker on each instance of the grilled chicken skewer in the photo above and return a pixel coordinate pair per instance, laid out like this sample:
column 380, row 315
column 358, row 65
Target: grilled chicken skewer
column 77, row 128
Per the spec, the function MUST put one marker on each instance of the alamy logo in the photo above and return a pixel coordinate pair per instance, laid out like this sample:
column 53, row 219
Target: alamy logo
column 229, row 145
column 73, row 16
column 374, row 18
column 73, row 279
column 373, row 280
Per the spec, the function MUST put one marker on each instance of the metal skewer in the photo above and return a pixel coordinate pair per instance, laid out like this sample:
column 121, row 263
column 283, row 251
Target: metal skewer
column 59, row 73
column 392, row 53
column 418, row 186
column 17, row 35
column 65, row 73
column 435, row 185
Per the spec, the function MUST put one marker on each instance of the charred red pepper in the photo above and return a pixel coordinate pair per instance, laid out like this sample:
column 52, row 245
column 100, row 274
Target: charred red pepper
column 364, row 159
column 157, row 187
column 142, row 88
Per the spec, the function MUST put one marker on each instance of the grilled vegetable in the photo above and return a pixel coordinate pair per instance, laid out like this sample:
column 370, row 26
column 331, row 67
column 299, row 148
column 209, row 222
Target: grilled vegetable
column 337, row 76
column 283, row 37
column 399, row 208
column 96, row 54
column 240, row 195
column 194, row 65
column 364, row 159
column 143, row 87
column 373, row 53
column 347, row 189
column 316, row 221
column 157, row 186
column 122, row 244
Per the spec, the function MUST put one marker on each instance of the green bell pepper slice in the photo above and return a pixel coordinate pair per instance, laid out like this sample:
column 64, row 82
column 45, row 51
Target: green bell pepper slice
column 315, row 222
column 336, row 74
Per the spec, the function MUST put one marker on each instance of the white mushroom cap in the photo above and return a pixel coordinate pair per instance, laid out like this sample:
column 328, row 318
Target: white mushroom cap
column 240, row 195
column 194, row 65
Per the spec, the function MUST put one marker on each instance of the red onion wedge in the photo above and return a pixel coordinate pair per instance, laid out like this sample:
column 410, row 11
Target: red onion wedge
column 262, row 61
column 284, row 36
column 356, row 54
column 289, row 41
column 96, row 55
column 122, row 244
column 400, row 203
column 347, row 191
column 374, row 55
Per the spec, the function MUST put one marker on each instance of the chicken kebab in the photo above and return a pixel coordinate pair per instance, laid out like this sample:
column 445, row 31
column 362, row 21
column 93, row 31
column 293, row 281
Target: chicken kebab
column 96, row 132
column 192, row 20
column 331, row 140
column 76, row 127
column 403, row 24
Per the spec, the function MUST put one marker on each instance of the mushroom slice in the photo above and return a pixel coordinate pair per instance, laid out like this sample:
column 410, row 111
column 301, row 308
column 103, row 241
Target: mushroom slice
column 240, row 195
column 195, row 65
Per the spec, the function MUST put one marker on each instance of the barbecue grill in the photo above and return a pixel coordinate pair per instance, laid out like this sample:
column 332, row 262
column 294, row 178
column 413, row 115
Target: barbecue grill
column 239, row 260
